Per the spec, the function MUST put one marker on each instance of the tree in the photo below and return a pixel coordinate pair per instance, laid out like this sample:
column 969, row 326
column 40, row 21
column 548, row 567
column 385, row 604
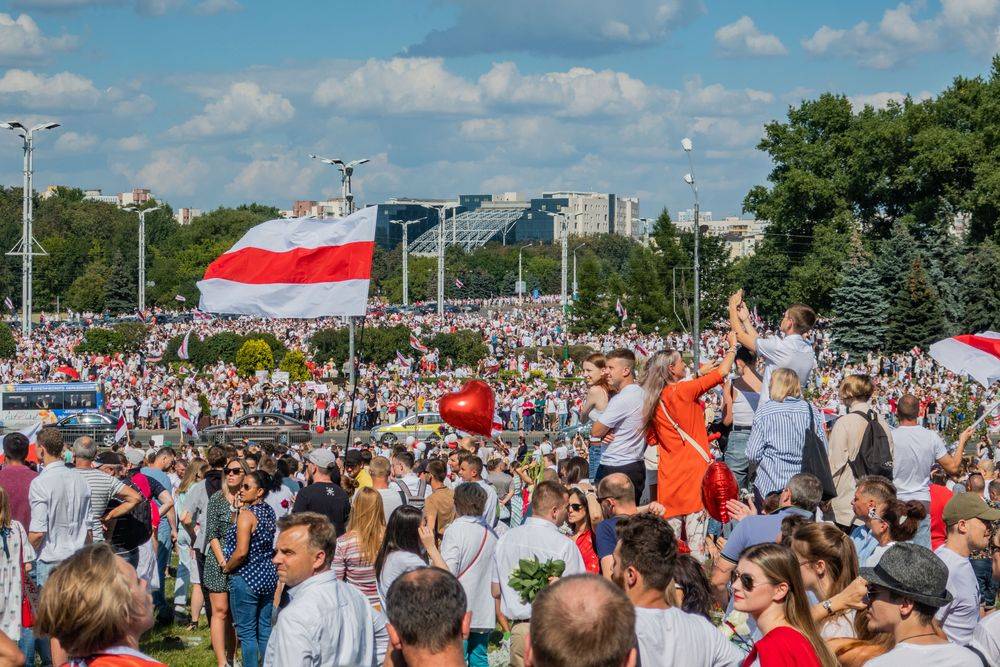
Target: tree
column 645, row 298
column 253, row 356
column 590, row 309
column 8, row 345
column 294, row 364
column 86, row 294
column 916, row 317
column 464, row 347
column 859, row 306
column 981, row 289
column 121, row 290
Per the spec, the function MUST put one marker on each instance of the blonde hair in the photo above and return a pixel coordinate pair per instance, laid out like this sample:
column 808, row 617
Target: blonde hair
column 655, row 377
column 4, row 508
column 87, row 602
column 379, row 467
column 856, row 388
column 194, row 474
column 784, row 384
column 367, row 522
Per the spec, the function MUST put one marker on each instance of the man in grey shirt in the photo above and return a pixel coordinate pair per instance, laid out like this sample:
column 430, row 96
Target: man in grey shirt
column 103, row 487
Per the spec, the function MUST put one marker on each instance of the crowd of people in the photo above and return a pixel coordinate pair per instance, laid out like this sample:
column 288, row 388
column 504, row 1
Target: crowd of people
column 858, row 535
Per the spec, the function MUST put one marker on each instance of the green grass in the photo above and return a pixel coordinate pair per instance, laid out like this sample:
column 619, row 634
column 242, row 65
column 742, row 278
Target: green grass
column 174, row 645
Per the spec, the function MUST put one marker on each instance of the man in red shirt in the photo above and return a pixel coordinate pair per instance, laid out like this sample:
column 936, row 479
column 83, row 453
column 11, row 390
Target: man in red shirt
column 15, row 477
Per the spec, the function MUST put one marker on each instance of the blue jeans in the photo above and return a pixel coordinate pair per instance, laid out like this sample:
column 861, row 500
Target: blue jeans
column 983, row 567
column 736, row 456
column 594, row 459
column 163, row 610
column 252, row 619
column 42, row 647
column 475, row 649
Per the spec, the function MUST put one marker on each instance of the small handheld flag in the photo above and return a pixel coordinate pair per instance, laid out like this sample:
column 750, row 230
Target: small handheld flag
column 182, row 351
column 620, row 309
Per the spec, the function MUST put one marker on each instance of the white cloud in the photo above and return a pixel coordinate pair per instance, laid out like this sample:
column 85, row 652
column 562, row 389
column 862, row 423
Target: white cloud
column 171, row 172
column 140, row 105
column 280, row 176
column 74, row 142
column 22, row 41
column 742, row 38
column 242, row 107
column 135, row 142
column 881, row 100
column 728, row 132
column 209, row 7
column 25, row 89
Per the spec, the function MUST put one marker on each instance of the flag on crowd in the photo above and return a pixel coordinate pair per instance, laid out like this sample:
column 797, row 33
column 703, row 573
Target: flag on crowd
column 201, row 315
column 183, row 352
column 641, row 350
column 154, row 359
column 459, row 284
column 620, row 309
column 180, row 297
column 31, row 433
column 121, row 431
column 976, row 355
column 10, row 304
column 68, row 371
column 401, row 359
column 496, row 429
column 915, row 351
column 188, row 426
column 417, row 345
column 303, row 268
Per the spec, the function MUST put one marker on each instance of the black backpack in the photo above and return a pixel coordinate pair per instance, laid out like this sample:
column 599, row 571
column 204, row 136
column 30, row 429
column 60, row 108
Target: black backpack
column 815, row 460
column 874, row 455
column 133, row 529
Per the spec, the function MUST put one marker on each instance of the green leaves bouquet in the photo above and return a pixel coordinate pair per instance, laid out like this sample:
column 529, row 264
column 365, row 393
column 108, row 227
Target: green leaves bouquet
column 531, row 576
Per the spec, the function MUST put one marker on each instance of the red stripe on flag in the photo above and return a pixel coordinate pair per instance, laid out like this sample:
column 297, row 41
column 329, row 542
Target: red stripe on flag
column 982, row 343
column 255, row 266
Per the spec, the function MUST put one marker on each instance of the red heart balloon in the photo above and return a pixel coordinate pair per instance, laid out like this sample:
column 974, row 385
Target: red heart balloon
column 470, row 409
column 717, row 487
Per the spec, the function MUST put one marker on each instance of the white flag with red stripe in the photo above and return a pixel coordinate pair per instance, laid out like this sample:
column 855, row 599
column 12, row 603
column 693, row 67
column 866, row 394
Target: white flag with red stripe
column 187, row 424
column 975, row 355
column 183, row 351
column 417, row 345
column 121, row 431
column 302, row 268
column 620, row 309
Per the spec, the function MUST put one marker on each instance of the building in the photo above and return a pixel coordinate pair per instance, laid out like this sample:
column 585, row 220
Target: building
column 184, row 216
column 95, row 195
column 137, row 197
column 687, row 215
column 741, row 236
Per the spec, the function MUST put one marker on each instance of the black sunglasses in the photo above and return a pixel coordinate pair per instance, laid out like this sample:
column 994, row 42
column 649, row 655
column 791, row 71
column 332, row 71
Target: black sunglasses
column 234, row 471
column 576, row 507
column 746, row 581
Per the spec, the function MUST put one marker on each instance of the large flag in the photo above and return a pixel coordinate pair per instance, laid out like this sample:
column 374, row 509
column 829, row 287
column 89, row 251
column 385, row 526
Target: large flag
column 121, row 430
column 68, row 371
column 417, row 345
column 10, row 304
column 301, row 268
column 182, row 351
column 31, row 432
column 620, row 309
column 401, row 359
column 187, row 424
column 974, row 355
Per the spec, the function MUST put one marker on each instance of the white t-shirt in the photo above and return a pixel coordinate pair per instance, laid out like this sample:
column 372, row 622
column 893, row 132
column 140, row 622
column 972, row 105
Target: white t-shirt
column 396, row 565
column 791, row 352
column 669, row 637
column 986, row 638
column 915, row 449
column 927, row 655
column 624, row 417
column 390, row 499
column 959, row 617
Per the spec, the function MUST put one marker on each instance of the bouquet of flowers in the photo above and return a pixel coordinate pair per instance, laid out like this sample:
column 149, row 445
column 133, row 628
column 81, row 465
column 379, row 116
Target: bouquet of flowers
column 531, row 576
column 735, row 628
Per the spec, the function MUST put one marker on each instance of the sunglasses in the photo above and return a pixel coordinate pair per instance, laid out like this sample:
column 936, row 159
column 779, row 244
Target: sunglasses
column 247, row 487
column 873, row 594
column 576, row 507
column 746, row 581
column 234, row 471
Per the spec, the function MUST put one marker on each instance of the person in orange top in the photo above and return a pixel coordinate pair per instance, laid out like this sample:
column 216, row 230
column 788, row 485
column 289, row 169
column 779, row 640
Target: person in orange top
column 675, row 417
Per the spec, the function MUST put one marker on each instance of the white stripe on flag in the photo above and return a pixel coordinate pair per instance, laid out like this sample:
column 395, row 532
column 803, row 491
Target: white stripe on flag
column 346, row 297
column 283, row 235
column 964, row 359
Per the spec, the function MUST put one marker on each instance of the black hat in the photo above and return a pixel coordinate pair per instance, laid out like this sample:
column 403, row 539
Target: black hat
column 108, row 459
column 352, row 458
column 912, row 571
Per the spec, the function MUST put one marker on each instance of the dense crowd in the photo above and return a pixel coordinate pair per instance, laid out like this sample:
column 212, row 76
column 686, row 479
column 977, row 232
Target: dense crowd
column 858, row 534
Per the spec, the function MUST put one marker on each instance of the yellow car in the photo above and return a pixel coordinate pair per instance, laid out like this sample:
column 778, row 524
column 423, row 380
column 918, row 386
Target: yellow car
column 422, row 426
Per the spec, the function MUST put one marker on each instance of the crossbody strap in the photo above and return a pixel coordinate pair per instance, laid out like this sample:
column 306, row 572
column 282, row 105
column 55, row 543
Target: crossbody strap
column 684, row 436
column 476, row 557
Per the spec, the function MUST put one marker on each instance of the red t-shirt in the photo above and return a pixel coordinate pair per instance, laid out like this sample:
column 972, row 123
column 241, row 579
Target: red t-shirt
column 940, row 495
column 585, row 543
column 16, row 481
column 783, row 647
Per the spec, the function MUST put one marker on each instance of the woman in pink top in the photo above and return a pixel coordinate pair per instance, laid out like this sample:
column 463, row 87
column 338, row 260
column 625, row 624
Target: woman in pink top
column 354, row 557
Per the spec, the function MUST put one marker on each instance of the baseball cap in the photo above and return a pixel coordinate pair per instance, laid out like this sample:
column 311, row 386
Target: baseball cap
column 410, row 440
column 323, row 458
column 450, row 438
column 352, row 458
column 963, row 506
column 135, row 456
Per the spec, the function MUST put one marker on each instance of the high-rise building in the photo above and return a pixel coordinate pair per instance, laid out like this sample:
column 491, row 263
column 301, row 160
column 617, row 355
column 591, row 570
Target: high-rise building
column 184, row 216
column 137, row 197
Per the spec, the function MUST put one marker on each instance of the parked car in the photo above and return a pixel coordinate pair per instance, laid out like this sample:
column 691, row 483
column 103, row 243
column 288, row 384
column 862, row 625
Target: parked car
column 98, row 425
column 259, row 427
column 422, row 426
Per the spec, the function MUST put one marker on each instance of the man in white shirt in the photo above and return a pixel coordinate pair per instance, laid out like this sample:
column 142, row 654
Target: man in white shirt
column 967, row 518
column 643, row 567
column 471, row 470
column 791, row 351
column 986, row 638
column 915, row 450
column 905, row 588
column 538, row 537
column 408, row 482
column 623, row 419
column 328, row 622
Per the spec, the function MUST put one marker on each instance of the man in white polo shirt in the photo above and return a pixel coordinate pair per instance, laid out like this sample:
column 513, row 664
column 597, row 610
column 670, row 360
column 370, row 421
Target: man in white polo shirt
column 623, row 420
column 790, row 351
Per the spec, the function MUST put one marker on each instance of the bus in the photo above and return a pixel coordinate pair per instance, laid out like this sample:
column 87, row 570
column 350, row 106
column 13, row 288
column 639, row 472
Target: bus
column 27, row 404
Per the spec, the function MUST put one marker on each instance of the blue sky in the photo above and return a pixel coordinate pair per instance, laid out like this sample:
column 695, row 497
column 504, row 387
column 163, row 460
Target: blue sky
column 219, row 102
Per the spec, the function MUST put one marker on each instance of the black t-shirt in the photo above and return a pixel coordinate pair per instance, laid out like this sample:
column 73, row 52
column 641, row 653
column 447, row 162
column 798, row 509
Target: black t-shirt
column 327, row 499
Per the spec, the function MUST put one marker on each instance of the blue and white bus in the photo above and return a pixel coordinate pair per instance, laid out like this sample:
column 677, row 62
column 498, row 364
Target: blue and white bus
column 23, row 405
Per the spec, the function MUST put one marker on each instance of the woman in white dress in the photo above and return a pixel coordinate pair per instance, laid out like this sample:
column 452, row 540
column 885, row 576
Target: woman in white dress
column 598, row 394
column 15, row 552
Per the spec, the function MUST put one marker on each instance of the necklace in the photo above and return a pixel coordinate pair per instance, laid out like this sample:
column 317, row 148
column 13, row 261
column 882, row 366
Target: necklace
column 925, row 634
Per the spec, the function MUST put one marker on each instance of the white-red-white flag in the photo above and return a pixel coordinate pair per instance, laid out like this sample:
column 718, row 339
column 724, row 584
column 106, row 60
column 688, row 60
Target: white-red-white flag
column 417, row 345
column 303, row 268
column 121, row 431
column 975, row 355
column 187, row 424
column 31, row 433
column 183, row 351
column 459, row 284
column 620, row 309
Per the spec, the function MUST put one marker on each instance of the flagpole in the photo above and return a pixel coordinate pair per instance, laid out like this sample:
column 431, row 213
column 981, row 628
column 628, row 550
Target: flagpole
column 354, row 388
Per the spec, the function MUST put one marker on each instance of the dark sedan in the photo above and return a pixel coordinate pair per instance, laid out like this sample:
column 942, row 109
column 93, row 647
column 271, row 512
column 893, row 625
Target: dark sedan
column 98, row 425
column 259, row 427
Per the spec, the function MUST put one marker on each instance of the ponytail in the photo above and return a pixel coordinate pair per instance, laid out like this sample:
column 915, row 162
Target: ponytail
column 903, row 518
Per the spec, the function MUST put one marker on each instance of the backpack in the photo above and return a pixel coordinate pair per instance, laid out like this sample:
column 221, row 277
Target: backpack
column 133, row 529
column 874, row 455
column 410, row 499
column 815, row 460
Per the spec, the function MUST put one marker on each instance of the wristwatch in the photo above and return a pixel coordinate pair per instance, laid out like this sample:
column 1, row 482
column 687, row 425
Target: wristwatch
column 828, row 606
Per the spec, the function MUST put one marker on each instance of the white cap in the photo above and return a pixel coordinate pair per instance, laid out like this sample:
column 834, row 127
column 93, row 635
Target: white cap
column 410, row 440
column 451, row 437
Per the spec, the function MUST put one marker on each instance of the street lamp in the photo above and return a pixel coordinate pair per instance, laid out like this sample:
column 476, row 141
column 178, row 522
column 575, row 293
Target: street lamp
column 25, row 249
column 689, row 179
column 520, row 279
column 405, row 224
column 440, row 275
column 574, row 268
column 564, row 241
column 346, row 171
column 142, row 254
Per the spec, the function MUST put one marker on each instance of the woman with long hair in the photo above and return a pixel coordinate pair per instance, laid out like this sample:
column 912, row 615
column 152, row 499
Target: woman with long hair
column 401, row 549
column 187, row 569
column 578, row 518
column 767, row 584
column 692, row 591
column 598, row 394
column 354, row 558
column 249, row 545
column 222, row 509
column 16, row 557
column 675, row 423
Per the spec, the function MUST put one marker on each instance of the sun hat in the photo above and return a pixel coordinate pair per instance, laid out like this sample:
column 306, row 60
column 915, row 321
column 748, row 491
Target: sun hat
column 912, row 571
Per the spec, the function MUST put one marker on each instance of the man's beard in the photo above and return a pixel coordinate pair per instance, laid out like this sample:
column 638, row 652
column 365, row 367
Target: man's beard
column 618, row 579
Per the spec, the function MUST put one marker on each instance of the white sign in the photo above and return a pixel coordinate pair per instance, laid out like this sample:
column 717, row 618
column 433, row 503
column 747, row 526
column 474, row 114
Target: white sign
column 279, row 377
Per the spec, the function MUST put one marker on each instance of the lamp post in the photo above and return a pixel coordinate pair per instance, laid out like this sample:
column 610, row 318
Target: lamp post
column 440, row 253
column 690, row 180
column 405, row 224
column 564, row 241
column 574, row 268
column 142, row 254
column 25, row 249
column 520, row 279
column 346, row 171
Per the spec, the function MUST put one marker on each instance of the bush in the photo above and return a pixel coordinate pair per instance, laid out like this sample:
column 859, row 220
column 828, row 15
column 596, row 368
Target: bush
column 330, row 344
column 254, row 355
column 294, row 364
column 101, row 341
column 220, row 347
column 464, row 347
column 132, row 336
column 8, row 346
column 278, row 350
column 576, row 352
column 377, row 345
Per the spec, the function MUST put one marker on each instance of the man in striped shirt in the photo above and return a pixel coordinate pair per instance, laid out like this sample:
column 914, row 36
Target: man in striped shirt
column 103, row 488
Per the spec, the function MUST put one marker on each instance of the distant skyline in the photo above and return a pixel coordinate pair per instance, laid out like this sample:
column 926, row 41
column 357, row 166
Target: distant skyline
column 219, row 102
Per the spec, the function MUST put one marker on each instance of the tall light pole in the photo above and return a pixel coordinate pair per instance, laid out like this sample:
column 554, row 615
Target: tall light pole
column 574, row 268
column 689, row 179
column 441, row 218
column 25, row 249
column 564, row 241
column 346, row 171
column 142, row 255
column 520, row 278
column 405, row 224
